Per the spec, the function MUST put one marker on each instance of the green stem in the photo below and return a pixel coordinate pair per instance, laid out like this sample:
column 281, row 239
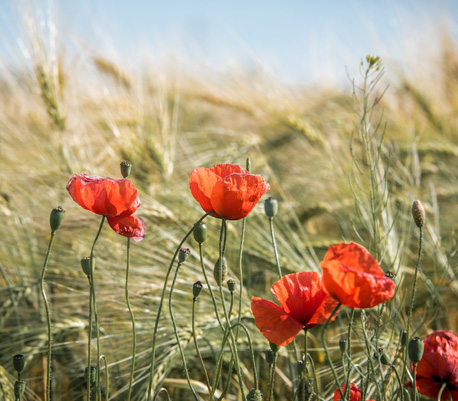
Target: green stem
column 107, row 383
column 336, row 379
column 272, row 378
column 156, row 324
column 48, row 318
column 401, row 386
column 439, row 396
column 348, row 370
column 315, row 378
column 274, row 244
column 414, row 382
column 88, row 373
column 305, row 371
column 175, row 330
column 96, row 317
column 369, row 355
column 207, row 381
column 132, row 318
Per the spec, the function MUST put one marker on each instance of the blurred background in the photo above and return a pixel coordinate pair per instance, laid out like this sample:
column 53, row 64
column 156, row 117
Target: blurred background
column 175, row 85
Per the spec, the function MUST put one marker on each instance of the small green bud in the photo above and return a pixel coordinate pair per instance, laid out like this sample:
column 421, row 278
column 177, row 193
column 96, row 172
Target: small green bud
column 418, row 213
column 196, row 289
column 93, row 374
column 343, row 345
column 220, row 269
column 269, row 355
column 415, row 349
column 200, row 233
column 18, row 362
column 231, row 285
column 19, row 389
column 384, row 359
column 183, row 255
column 56, row 218
column 125, row 168
column 254, row 395
column 86, row 265
column 270, row 207
column 403, row 338
column 274, row 347
column 248, row 164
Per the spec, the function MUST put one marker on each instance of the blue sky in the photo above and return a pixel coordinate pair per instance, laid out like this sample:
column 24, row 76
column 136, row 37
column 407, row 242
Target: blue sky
column 299, row 41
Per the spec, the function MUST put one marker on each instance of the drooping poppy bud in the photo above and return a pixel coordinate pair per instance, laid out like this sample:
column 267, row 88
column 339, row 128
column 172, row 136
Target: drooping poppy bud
column 254, row 395
column 220, row 271
column 56, row 218
column 384, row 359
column 18, row 362
column 270, row 207
column 19, row 389
column 269, row 355
column 231, row 285
column 196, row 289
column 418, row 213
column 343, row 345
column 183, row 255
column 125, row 168
column 200, row 233
column 415, row 349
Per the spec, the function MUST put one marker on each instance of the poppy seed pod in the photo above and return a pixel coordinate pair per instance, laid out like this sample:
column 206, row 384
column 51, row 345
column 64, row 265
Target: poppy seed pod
column 343, row 345
column 254, row 395
column 384, row 359
column 418, row 213
column 86, row 265
column 231, row 285
column 200, row 233
column 125, row 168
column 56, row 218
column 269, row 355
column 271, row 207
column 19, row 389
column 183, row 255
column 196, row 289
column 18, row 362
column 220, row 271
column 415, row 349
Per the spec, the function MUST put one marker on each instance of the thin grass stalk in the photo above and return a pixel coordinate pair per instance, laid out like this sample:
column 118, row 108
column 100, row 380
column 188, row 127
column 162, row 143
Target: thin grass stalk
column 274, row 244
column 156, row 324
column 132, row 318
column 400, row 384
column 48, row 319
column 369, row 356
column 107, row 383
column 175, row 330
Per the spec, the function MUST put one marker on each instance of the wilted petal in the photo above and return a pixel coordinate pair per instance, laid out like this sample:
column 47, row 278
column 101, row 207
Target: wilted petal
column 130, row 226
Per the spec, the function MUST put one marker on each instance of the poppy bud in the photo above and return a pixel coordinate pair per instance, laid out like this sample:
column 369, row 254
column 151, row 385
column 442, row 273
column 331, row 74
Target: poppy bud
column 220, row 269
column 200, row 233
column 254, row 395
column 231, row 285
column 274, row 347
column 343, row 345
column 269, row 356
column 183, row 255
column 18, row 362
column 270, row 207
column 418, row 213
column 196, row 289
column 403, row 338
column 86, row 265
column 384, row 359
column 19, row 389
column 415, row 348
column 56, row 218
column 125, row 168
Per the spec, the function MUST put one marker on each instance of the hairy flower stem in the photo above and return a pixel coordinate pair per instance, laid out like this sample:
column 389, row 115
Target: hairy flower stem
column 93, row 310
column 305, row 371
column 175, row 330
column 48, row 318
column 107, row 383
column 315, row 378
column 414, row 382
column 323, row 330
column 439, row 396
column 347, row 376
column 274, row 244
column 156, row 324
column 132, row 318
column 400, row 384
column 194, row 336
column 369, row 355
column 272, row 377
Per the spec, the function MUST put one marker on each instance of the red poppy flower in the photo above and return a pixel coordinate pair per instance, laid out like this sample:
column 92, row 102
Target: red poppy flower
column 227, row 189
column 130, row 226
column 352, row 276
column 304, row 304
column 355, row 393
column 104, row 196
column 439, row 365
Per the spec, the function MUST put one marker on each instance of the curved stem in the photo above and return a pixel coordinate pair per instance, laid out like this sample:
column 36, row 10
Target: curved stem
column 107, row 392
column 48, row 318
column 156, row 324
column 175, row 330
column 207, row 381
column 132, row 318
column 439, row 396
column 274, row 244
column 323, row 330
column 315, row 378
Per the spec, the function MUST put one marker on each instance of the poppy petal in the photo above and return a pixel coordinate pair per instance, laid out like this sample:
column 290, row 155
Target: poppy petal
column 133, row 208
column 353, row 277
column 104, row 196
column 234, row 196
column 273, row 322
column 201, row 181
column 130, row 226
column 223, row 170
